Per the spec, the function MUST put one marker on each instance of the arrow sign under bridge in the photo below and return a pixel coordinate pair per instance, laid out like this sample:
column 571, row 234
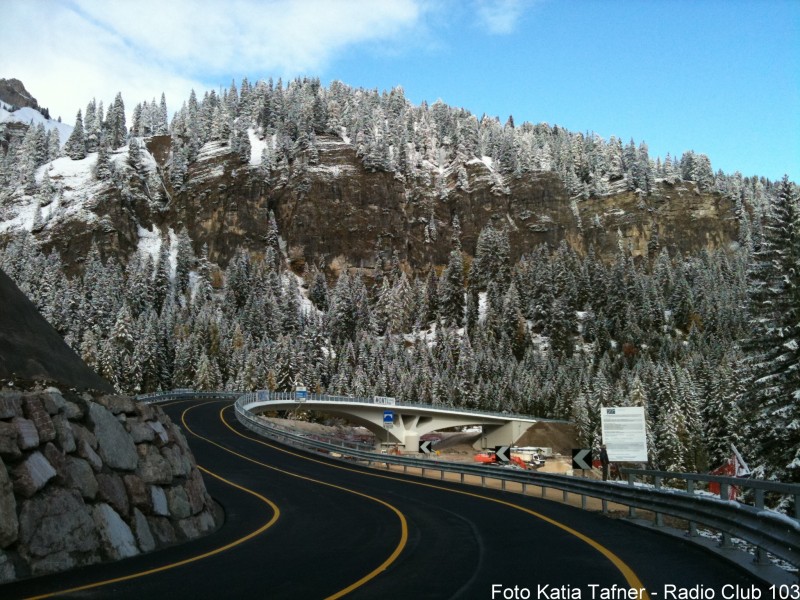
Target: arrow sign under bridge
column 503, row 453
column 425, row 447
column 582, row 458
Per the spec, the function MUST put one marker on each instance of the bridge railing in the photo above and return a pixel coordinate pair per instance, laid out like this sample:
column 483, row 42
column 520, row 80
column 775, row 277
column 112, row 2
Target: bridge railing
column 768, row 531
column 265, row 396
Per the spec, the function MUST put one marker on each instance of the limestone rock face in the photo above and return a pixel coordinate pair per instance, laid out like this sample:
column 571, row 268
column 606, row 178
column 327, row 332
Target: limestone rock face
column 85, row 480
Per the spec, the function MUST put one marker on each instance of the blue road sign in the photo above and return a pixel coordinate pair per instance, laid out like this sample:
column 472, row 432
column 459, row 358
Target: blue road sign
column 388, row 417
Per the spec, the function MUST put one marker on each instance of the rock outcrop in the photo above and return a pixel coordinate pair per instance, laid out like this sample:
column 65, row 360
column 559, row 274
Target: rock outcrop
column 13, row 93
column 337, row 211
column 85, row 479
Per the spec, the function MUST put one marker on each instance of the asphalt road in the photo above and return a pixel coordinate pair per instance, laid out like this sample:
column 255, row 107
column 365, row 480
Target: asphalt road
column 300, row 526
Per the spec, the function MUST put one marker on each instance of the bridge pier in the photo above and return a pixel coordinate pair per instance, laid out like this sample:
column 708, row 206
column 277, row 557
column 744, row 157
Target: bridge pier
column 506, row 434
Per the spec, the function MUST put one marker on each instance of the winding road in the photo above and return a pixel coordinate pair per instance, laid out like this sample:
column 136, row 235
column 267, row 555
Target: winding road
column 302, row 526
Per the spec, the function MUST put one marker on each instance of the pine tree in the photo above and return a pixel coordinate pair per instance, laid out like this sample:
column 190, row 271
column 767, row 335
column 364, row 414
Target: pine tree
column 451, row 291
column 772, row 373
column 75, row 147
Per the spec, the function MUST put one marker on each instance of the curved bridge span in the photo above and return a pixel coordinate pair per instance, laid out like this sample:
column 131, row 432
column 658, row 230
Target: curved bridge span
column 408, row 421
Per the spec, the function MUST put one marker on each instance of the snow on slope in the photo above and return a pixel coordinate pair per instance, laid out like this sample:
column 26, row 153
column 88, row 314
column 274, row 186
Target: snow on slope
column 28, row 115
column 77, row 191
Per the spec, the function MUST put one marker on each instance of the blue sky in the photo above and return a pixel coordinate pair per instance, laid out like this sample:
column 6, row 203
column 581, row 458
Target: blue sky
column 718, row 77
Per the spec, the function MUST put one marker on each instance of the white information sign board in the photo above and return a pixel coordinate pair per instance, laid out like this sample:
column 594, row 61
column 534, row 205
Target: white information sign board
column 386, row 400
column 624, row 433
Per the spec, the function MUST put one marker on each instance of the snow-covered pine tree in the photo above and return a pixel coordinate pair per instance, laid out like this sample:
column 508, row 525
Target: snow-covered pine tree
column 75, row 147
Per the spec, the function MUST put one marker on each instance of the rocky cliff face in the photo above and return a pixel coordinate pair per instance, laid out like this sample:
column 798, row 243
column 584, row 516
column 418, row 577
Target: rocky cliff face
column 337, row 212
column 86, row 479
column 13, row 92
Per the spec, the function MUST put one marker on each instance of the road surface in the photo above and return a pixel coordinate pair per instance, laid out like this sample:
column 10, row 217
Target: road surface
column 302, row 526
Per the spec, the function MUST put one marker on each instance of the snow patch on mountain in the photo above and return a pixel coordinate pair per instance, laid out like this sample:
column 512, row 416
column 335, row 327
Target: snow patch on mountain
column 150, row 241
column 30, row 116
column 257, row 146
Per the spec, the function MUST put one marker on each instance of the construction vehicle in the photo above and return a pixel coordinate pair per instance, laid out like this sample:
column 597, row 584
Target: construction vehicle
column 490, row 458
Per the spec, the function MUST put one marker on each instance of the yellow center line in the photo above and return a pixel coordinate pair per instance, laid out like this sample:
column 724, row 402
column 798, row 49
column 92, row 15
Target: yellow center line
column 276, row 514
column 403, row 523
column 630, row 576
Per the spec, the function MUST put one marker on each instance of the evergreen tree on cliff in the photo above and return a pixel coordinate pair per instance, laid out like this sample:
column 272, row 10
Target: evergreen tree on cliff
column 75, row 147
column 772, row 374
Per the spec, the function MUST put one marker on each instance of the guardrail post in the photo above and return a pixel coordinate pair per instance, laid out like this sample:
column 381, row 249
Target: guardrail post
column 605, row 506
column 659, row 518
column 566, row 495
column 583, row 501
column 692, row 524
column 726, row 537
column 631, row 509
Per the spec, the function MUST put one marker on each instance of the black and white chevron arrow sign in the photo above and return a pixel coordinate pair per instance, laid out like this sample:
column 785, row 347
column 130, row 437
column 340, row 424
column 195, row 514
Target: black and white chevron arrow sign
column 581, row 458
column 503, row 453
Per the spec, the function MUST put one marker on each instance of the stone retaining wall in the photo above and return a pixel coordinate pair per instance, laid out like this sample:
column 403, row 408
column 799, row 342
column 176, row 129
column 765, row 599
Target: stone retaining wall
column 87, row 479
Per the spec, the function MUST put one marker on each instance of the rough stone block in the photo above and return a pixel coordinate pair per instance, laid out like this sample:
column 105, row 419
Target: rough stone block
column 140, row 432
column 82, row 434
column 7, row 571
column 193, row 527
column 153, row 468
column 27, row 435
column 162, row 530
column 112, row 490
column 10, row 405
column 52, row 400
column 158, row 499
column 145, row 411
column 196, row 491
column 64, row 434
column 180, row 466
column 178, row 502
column 81, row 477
column 137, row 492
column 115, row 445
column 74, row 411
column 9, row 526
column 118, row 404
column 58, row 461
column 86, row 451
column 142, row 530
column 9, row 448
column 34, row 410
column 116, row 537
column 159, row 430
column 57, row 524
column 32, row 474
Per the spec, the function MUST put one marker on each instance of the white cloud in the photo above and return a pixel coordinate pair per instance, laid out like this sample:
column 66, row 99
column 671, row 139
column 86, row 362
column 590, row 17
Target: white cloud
column 67, row 53
column 499, row 17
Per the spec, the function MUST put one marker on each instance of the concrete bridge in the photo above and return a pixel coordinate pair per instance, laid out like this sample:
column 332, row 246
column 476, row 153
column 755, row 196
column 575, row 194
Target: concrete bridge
column 399, row 423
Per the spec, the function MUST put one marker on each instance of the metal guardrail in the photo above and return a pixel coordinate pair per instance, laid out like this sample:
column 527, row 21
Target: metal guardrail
column 769, row 531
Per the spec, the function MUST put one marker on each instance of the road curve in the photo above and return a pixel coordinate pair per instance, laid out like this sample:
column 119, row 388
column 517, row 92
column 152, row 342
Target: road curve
column 301, row 526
